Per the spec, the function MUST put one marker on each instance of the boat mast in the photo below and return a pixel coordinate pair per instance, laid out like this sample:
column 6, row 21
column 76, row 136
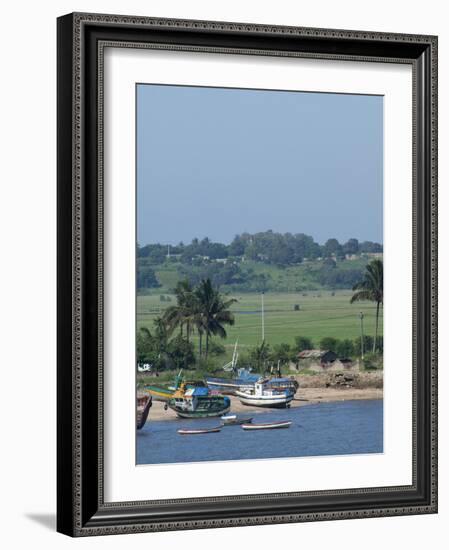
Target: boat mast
column 235, row 355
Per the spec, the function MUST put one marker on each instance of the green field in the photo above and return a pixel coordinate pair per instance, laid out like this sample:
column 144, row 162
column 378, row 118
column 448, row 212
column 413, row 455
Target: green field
column 321, row 314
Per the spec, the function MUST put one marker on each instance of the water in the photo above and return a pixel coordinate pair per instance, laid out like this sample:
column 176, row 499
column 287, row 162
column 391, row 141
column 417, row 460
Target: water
column 349, row 427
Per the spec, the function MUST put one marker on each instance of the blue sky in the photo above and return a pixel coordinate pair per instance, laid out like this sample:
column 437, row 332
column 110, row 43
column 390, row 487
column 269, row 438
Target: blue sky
column 217, row 161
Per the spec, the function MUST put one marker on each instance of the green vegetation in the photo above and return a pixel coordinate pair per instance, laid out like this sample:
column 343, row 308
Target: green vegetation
column 371, row 288
column 195, row 307
column 321, row 315
column 266, row 261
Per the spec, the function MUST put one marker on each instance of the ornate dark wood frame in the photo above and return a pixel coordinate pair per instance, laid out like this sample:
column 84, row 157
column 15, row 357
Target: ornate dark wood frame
column 81, row 507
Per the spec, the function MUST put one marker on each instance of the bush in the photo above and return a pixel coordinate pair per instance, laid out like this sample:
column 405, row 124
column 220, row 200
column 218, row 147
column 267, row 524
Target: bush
column 302, row 343
column 216, row 349
column 373, row 361
column 296, row 307
column 328, row 343
column 282, row 353
column 181, row 353
column 367, row 345
column 344, row 348
column 206, row 366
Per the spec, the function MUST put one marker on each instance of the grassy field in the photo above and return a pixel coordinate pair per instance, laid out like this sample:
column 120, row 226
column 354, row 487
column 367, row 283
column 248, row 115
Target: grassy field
column 321, row 314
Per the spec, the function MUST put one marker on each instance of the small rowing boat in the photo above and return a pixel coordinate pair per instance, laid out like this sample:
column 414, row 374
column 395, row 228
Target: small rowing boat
column 199, row 431
column 267, row 426
column 233, row 419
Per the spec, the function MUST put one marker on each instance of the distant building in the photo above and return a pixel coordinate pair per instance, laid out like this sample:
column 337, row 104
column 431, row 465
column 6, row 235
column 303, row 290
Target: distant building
column 378, row 255
column 324, row 357
column 321, row 360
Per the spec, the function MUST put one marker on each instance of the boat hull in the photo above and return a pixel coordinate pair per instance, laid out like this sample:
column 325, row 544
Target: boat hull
column 143, row 411
column 278, row 402
column 209, row 406
column 159, row 394
column 267, row 426
column 199, row 432
column 199, row 414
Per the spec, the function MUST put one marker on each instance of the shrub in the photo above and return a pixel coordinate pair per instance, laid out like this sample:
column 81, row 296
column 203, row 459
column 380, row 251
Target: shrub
column 302, row 343
column 216, row 349
column 367, row 345
column 344, row 348
column 373, row 361
column 328, row 343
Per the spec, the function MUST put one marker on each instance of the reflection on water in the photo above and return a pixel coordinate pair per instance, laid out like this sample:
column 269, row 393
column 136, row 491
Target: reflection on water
column 348, row 427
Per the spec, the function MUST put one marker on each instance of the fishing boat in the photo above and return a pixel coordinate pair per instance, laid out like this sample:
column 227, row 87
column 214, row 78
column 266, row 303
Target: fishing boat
column 200, row 431
column 144, row 402
column 198, row 402
column 243, row 378
column 245, row 381
column 233, row 419
column 267, row 425
column 160, row 393
column 263, row 396
column 282, row 383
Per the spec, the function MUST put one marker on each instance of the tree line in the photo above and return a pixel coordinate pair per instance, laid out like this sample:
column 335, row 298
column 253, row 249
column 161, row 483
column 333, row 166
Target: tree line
column 281, row 249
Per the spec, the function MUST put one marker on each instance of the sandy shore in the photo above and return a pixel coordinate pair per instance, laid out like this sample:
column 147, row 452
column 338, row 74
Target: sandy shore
column 305, row 396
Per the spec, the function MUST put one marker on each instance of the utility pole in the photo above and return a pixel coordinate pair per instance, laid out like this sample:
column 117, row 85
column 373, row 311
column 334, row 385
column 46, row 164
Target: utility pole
column 362, row 339
column 263, row 318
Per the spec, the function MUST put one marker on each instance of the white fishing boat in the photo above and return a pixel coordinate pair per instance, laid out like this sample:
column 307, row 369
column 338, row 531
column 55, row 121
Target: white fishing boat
column 267, row 426
column 263, row 396
column 199, row 431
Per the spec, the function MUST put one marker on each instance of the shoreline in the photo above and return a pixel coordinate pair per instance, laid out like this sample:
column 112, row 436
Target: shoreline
column 304, row 397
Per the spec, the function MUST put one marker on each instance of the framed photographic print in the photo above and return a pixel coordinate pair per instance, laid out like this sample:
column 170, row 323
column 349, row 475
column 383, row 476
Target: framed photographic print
column 247, row 282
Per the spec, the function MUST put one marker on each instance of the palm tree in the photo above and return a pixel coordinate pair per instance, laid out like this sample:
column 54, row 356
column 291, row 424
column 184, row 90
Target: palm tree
column 211, row 312
column 371, row 289
column 182, row 313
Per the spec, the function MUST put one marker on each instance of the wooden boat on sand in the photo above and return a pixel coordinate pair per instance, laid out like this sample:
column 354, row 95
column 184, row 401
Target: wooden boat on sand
column 199, row 431
column 267, row 425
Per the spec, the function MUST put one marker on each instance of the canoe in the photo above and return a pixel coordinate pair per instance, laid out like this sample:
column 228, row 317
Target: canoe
column 267, row 426
column 233, row 419
column 196, row 432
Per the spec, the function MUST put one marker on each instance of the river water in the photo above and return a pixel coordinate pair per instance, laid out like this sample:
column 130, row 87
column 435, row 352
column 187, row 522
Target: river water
column 339, row 428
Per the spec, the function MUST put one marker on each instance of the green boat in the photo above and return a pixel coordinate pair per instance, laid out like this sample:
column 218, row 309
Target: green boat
column 198, row 402
column 160, row 393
